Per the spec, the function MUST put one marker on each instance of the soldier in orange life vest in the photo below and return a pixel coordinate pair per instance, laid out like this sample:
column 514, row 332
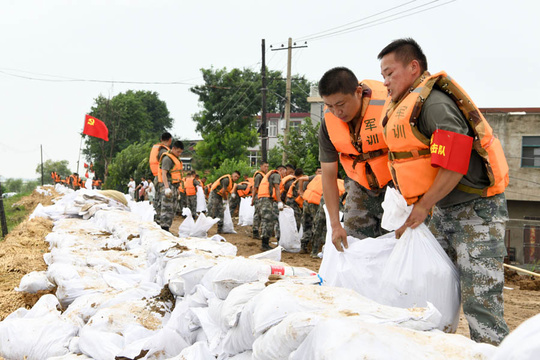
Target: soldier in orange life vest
column 219, row 197
column 190, row 184
column 270, row 204
column 351, row 132
column 155, row 156
column 311, row 193
column 257, row 178
column 294, row 198
column 444, row 157
column 169, row 176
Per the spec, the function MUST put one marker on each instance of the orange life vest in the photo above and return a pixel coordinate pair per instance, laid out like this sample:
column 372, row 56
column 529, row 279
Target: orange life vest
column 264, row 186
column 409, row 150
column 313, row 191
column 341, row 187
column 153, row 159
column 299, row 199
column 217, row 184
column 247, row 191
column 176, row 171
column 282, row 183
column 190, row 188
column 374, row 149
column 181, row 187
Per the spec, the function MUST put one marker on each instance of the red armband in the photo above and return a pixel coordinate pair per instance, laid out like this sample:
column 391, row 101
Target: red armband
column 451, row 151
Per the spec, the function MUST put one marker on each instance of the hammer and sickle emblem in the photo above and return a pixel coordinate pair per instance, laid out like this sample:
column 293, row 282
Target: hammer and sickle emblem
column 91, row 121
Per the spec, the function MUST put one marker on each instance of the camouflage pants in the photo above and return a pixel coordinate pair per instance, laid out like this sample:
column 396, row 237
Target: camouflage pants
column 363, row 211
column 472, row 235
column 319, row 229
column 157, row 200
column 191, row 201
column 308, row 217
column 256, row 216
column 216, row 210
column 297, row 212
column 269, row 217
column 182, row 202
column 234, row 204
column 168, row 207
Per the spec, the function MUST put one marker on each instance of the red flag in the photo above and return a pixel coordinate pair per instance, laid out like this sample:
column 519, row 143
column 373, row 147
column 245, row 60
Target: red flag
column 95, row 127
column 85, row 165
column 86, row 175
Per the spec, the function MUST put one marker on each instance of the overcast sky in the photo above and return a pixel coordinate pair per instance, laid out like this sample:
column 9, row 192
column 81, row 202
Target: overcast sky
column 491, row 48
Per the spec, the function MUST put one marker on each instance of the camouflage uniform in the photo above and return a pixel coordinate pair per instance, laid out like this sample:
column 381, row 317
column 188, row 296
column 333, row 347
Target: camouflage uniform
column 157, row 199
column 472, row 235
column 182, row 201
column 168, row 206
column 269, row 217
column 191, row 202
column 234, row 203
column 216, row 210
column 363, row 211
column 308, row 216
column 319, row 229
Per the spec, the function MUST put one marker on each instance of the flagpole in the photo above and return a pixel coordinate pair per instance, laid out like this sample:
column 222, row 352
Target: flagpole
column 79, row 158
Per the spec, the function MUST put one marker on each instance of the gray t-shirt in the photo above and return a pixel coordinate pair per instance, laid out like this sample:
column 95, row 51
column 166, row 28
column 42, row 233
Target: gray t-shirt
column 275, row 178
column 440, row 112
column 167, row 164
column 257, row 180
column 327, row 150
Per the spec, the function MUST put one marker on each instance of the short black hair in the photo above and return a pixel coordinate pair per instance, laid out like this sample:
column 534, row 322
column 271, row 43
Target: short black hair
column 166, row 136
column 237, row 172
column 281, row 166
column 298, row 172
column 290, row 166
column 178, row 144
column 338, row 80
column 405, row 50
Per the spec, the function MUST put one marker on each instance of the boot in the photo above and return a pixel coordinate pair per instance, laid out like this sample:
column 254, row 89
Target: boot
column 266, row 244
column 166, row 228
column 304, row 249
column 255, row 234
column 220, row 230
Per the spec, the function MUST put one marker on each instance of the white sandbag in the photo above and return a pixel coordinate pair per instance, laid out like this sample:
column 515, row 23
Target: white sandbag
column 418, row 271
column 143, row 210
column 228, row 226
column 246, row 212
column 186, row 227
column 396, row 210
column 358, row 267
column 39, row 211
column 34, row 282
column 202, row 225
column 184, row 273
column 522, row 343
column 352, row 338
column 197, row 351
column 289, row 237
column 235, row 302
column 201, row 200
column 38, row 333
column 274, row 254
column 119, row 328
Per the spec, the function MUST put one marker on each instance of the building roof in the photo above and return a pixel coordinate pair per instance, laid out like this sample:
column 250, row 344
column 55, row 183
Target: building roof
column 529, row 110
column 279, row 115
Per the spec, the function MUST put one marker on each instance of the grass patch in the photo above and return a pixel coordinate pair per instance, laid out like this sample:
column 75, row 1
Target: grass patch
column 14, row 214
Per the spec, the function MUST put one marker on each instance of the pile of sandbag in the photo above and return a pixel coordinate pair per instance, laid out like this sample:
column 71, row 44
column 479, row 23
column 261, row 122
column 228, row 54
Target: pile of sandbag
column 127, row 289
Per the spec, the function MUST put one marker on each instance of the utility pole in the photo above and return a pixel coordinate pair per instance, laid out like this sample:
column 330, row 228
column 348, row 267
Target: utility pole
column 41, row 147
column 3, row 214
column 288, row 96
column 264, row 131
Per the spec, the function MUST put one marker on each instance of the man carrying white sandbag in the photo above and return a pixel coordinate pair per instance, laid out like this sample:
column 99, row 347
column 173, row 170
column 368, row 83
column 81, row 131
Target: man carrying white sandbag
column 443, row 156
column 351, row 131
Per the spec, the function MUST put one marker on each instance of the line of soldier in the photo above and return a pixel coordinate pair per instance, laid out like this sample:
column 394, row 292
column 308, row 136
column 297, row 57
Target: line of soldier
column 74, row 181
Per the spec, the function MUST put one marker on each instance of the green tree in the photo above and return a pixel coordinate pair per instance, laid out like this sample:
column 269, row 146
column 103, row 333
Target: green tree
column 231, row 101
column 130, row 162
column 230, row 165
column 61, row 167
column 302, row 149
column 134, row 116
column 12, row 185
column 29, row 186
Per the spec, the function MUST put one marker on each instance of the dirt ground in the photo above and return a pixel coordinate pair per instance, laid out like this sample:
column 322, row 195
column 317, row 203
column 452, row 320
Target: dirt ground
column 22, row 252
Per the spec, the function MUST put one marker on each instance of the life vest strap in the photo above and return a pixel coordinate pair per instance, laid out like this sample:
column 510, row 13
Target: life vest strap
column 366, row 156
column 400, row 155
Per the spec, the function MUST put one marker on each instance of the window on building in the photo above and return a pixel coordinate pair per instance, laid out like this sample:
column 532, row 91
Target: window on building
column 253, row 158
column 272, row 128
column 530, row 151
column 295, row 125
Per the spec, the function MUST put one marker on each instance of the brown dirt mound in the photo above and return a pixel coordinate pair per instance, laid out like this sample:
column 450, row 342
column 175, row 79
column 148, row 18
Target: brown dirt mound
column 525, row 282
